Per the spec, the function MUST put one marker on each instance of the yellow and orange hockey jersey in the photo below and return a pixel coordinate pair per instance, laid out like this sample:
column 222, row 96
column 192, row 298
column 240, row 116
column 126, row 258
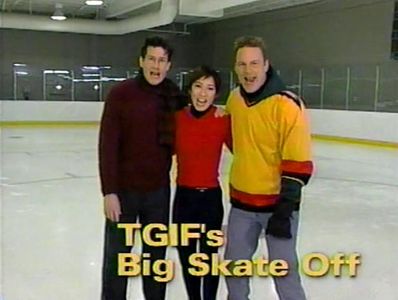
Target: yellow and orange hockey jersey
column 271, row 139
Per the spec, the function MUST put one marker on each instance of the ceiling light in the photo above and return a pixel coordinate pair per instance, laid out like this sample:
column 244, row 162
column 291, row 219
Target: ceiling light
column 94, row 2
column 58, row 14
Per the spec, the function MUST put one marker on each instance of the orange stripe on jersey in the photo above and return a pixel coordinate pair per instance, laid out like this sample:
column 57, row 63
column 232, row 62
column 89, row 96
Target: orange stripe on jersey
column 255, row 200
column 299, row 167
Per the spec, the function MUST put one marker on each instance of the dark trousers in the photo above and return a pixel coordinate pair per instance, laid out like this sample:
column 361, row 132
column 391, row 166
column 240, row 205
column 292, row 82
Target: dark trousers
column 202, row 207
column 150, row 207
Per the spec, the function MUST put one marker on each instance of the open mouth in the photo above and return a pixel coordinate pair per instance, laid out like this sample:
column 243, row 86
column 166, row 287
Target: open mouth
column 155, row 74
column 250, row 79
column 201, row 101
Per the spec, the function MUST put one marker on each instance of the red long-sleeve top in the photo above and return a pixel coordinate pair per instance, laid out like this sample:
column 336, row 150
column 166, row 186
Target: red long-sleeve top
column 198, row 146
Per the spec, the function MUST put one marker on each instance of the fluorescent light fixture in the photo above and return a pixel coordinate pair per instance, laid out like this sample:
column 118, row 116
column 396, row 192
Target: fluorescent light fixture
column 19, row 65
column 91, row 75
column 99, row 79
column 94, row 2
column 91, row 68
column 21, row 73
column 55, row 72
column 87, row 80
column 58, row 18
column 113, row 78
column 58, row 14
column 95, row 68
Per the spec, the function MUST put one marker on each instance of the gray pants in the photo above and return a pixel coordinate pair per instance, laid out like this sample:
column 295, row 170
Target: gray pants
column 244, row 228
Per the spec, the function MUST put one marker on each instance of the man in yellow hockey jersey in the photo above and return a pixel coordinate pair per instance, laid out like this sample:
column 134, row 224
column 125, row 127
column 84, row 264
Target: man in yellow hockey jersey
column 271, row 164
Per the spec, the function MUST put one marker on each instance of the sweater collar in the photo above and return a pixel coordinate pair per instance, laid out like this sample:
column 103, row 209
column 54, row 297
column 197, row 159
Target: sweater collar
column 272, row 85
column 165, row 88
column 199, row 114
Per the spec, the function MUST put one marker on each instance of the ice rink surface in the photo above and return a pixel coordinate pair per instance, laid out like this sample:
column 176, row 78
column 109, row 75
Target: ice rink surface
column 52, row 221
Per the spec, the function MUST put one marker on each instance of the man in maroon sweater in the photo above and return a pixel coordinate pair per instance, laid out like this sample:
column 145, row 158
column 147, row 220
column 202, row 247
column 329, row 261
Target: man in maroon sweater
column 134, row 159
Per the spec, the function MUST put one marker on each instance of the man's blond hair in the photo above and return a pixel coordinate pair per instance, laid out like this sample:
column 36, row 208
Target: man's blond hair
column 250, row 41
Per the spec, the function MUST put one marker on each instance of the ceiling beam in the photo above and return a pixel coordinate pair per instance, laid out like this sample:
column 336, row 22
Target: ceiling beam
column 166, row 15
column 121, row 7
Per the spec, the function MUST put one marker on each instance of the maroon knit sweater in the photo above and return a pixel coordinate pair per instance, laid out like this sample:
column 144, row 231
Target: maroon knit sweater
column 131, row 157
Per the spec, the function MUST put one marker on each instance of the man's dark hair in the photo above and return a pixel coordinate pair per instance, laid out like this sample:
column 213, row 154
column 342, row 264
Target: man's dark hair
column 206, row 72
column 157, row 41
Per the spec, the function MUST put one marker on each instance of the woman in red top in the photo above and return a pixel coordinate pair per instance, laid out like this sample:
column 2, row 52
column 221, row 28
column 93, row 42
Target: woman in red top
column 200, row 136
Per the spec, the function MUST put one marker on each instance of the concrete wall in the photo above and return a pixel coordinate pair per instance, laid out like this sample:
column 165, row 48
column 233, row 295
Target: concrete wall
column 324, row 33
column 358, row 125
column 53, row 50
column 329, row 35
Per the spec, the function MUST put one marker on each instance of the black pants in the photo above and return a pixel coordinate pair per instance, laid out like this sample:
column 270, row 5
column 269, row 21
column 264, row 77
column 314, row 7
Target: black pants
column 151, row 207
column 202, row 207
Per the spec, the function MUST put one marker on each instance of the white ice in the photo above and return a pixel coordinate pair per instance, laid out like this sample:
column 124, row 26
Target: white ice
column 52, row 221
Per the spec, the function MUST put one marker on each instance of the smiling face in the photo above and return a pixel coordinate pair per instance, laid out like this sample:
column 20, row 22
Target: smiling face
column 155, row 65
column 203, row 92
column 251, row 68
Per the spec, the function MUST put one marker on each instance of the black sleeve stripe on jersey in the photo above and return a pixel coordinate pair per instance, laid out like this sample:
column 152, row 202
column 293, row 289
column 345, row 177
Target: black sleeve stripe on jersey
column 296, row 99
column 302, row 177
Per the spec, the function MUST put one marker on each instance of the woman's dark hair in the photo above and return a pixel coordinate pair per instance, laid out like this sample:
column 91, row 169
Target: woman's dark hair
column 206, row 72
